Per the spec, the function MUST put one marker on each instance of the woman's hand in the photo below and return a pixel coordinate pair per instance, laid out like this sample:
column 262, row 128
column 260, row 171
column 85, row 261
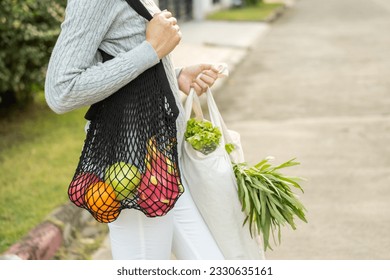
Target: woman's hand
column 200, row 77
column 163, row 33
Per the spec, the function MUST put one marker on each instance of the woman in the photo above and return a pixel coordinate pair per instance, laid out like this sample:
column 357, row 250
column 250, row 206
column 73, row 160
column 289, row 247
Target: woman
column 77, row 77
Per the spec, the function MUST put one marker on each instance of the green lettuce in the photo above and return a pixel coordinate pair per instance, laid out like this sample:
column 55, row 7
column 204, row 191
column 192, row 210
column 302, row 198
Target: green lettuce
column 202, row 135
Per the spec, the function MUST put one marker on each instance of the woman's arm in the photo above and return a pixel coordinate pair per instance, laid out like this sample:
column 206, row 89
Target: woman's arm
column 75, row 78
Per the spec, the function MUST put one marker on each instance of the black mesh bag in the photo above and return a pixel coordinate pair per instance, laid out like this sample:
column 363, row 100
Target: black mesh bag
column 129, row 158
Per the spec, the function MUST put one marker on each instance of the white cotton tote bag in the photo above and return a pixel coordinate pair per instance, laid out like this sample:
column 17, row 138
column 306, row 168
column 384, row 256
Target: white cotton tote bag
column 212, row 184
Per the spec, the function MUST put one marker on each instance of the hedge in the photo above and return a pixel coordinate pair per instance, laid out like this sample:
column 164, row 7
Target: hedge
column 252, row 2
column 28, row 32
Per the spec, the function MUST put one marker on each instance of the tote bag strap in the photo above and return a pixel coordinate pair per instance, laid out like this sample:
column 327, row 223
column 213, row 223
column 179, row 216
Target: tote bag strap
column 193, row 104
column 229, row 136
column 140, row 9
column 216, row 117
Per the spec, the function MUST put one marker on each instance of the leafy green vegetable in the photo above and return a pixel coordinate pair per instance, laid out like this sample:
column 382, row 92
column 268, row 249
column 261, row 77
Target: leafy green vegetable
column 267, row 199
column 229, row 148
column 202, row 135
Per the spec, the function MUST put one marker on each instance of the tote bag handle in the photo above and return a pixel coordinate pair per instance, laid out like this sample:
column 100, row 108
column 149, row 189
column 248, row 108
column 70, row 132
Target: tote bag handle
column 192, row 104
column 229, row 136
column 216, row 117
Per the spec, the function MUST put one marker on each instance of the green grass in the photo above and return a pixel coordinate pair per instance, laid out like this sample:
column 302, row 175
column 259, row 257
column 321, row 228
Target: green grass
column 39, row 151
column 260, row 12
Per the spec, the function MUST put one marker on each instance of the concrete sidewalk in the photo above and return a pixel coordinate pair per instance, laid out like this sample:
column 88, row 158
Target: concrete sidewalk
column 317, row 88
column 209, row 42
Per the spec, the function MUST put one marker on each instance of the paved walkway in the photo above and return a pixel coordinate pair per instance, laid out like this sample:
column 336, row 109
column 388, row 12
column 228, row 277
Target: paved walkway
column 314, row 86
column 317, row 88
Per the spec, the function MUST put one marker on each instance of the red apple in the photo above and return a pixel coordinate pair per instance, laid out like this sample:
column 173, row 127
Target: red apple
column 77, row 187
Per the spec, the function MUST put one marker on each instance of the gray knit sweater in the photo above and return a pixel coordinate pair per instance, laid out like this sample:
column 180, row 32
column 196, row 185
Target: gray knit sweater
column 76, row 76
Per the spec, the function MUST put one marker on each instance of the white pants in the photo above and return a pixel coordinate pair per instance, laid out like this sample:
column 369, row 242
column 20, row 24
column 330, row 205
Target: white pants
column 182, row 232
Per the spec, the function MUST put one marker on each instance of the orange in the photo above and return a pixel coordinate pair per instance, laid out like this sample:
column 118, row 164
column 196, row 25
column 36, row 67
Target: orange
column 101, row 199
column 107, row 217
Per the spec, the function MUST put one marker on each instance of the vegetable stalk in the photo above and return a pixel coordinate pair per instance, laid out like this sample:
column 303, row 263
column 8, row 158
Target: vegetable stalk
column 267, row 199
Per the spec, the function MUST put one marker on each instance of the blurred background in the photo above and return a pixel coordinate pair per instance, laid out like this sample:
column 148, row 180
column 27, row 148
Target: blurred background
column 309, row 80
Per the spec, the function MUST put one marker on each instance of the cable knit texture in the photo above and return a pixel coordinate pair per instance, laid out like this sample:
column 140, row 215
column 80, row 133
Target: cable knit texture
column 76, row 76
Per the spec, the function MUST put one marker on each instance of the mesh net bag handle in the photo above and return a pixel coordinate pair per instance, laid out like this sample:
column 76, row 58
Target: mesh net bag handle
column 129, row 158
column 140, row 9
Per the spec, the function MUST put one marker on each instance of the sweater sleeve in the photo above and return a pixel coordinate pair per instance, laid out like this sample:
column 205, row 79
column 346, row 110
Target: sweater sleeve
column 75, row 77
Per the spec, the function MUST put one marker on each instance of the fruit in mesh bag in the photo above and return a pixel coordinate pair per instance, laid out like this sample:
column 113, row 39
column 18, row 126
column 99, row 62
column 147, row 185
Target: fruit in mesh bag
column 107, row 217
column 171, row 182
column 77, row 187
column 101, row 200
column 156, row 160
column 124, row 178
column 160, row 185
column 162, row 167
column 152, row 196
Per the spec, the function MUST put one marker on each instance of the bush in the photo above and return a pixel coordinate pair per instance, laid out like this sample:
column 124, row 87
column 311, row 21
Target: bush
column 28, row 31
column 252, row 2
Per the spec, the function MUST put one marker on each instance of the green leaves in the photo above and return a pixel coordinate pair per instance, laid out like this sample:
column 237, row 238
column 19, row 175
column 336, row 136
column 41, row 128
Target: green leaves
column 267, row 198
column 229, row 148
column 202, row 135
column 28, row 32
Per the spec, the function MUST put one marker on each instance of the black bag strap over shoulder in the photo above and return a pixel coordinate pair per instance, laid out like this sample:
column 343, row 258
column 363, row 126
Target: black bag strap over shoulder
column 140, row 9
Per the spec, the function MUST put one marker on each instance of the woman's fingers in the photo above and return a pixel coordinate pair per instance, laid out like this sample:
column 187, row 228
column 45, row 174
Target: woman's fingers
column 199, row 77
column 199, row 91
column 205, row 80
column 176, row 27
column 172, row 20
column 165, row 13
column 168, row 17
column 199, row 86
column 212, row 73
